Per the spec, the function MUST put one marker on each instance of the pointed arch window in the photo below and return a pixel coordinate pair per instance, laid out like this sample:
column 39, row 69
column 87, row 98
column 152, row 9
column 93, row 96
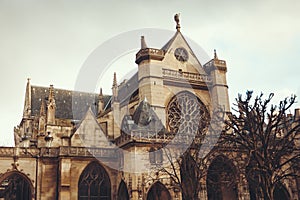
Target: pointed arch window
column 158, row 191
column 221, row 180
column 15, row 187
column 123, row 192
column 94, row 183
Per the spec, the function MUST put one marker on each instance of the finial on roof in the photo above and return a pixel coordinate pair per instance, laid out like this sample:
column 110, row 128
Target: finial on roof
column 42, row 109
column 215, row 54
column 51, row 106
column 176, row 18
column 143, row 43
column 115, row 80
column 51, row 92
column 100, row 94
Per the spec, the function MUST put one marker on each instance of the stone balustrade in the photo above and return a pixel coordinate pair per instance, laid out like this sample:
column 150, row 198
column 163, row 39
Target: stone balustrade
column 60, row 151
column 187, row 76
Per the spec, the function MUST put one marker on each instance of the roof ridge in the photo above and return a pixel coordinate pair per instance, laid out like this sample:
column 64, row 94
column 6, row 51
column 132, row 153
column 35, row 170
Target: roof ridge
column 61, row 89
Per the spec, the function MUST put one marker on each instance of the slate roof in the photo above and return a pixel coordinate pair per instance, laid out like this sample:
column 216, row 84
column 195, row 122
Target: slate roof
column 69, row 104
column 129, row 89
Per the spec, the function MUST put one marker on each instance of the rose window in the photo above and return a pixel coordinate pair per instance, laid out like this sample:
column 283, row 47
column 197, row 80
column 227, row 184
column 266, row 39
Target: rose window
column 187, row 115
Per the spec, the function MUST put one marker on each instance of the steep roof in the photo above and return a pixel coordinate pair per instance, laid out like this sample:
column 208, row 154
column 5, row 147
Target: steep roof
column 69, row 104
column 144, row 117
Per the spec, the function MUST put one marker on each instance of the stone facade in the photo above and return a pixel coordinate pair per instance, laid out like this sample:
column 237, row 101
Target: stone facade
column 77, row 145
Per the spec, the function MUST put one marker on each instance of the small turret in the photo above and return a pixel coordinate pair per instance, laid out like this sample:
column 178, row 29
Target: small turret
column 51, row 106
column 143, row 43
column 217, row 69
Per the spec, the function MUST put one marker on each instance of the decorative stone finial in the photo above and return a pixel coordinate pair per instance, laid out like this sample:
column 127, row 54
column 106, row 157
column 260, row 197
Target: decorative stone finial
column 176, row 18
column 215, row 55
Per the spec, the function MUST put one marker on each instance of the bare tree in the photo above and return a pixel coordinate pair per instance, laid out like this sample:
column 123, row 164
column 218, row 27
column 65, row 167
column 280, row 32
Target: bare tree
column 269, row 136
column 187, row 169
column 185, row 172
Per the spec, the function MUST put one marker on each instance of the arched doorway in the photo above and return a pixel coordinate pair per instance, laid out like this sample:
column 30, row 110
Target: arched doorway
column 123, row 192
column 158, row 191
column 94, row 183
column 15, row 186
column 221, row 183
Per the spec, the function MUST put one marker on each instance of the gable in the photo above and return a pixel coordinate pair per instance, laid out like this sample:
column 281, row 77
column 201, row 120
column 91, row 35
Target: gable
column 191, row 65
column 89, row 133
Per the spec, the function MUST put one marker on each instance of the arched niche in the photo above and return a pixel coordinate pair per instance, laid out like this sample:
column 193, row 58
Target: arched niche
column 221, row 180
column 15, row 186
column 94, row 183
column 158, row 191
column 123, row 191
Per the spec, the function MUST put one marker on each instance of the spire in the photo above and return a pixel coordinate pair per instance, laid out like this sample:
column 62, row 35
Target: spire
column 27, row 103
column 42, row 109
column 100, row 102
column 143, row 43
column 176, row 18
column 215, row 55
column 115, row 87
column 101, row 94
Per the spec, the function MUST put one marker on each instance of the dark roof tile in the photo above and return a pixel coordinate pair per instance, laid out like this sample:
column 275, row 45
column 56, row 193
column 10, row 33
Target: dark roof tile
column 69, row 104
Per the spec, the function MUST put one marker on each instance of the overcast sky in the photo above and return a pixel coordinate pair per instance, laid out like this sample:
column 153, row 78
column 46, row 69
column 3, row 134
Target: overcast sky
column 49, row 41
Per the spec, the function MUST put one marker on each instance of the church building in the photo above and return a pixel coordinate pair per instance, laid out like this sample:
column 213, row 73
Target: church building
column 80, row 145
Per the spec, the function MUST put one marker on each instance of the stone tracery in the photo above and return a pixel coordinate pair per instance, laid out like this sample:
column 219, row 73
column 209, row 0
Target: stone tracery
column 187, row 115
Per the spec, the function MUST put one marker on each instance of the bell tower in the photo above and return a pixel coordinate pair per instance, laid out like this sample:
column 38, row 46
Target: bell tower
column 165, row 72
